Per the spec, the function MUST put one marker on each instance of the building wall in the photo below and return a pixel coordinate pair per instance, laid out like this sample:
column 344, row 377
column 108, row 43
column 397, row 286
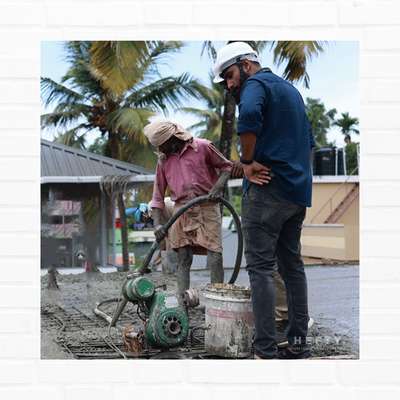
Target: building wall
column 321, row 204
column 338, row 241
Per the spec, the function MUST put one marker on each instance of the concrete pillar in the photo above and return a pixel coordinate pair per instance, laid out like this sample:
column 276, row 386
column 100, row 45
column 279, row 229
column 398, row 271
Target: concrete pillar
column 114, row 245
column 103, row 230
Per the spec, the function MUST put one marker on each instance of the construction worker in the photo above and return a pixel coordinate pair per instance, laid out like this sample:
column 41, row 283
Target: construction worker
column 189, row 167
column 276, row 140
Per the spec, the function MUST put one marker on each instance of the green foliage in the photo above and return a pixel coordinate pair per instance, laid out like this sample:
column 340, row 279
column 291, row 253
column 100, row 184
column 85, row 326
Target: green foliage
column 210, row 118
column 71, row 138
column 113, row 88
column 347, row 126
column 144, row 194
column 296, row 54
column 351, row 158
column 98, row 146
column 320, row 119
column 235, row 199
column 118, row 65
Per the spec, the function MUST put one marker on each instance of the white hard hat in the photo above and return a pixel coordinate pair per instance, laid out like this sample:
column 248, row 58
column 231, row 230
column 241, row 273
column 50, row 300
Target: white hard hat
column 231, row 54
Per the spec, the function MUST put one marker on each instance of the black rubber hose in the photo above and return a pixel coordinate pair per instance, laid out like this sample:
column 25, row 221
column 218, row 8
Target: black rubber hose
column 200, row 200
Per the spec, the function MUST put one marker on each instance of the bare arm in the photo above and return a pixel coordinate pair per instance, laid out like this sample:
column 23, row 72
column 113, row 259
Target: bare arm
column 247, row 144
column 254, row 172
column 218, row 188
column 157, row 216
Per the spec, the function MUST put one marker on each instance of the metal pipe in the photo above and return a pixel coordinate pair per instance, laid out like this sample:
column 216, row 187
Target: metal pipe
column 336, row 160
column 198, row 200
column 117, row 313
column 111, row 320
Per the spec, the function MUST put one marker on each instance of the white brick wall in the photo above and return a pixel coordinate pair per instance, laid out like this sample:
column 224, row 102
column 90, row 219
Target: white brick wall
column 23, row 23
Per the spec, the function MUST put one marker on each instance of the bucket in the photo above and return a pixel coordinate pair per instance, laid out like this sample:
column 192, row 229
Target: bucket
column 229, row 320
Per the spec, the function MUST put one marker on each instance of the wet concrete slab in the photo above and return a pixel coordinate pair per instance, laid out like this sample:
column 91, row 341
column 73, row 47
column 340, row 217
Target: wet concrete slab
column 333, row 298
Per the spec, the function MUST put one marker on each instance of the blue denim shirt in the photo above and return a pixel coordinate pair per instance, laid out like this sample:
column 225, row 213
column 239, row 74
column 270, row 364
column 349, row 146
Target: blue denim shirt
column 274, row 111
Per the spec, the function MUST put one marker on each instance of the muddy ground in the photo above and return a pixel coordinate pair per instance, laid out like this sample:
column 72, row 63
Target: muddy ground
column 70, row 329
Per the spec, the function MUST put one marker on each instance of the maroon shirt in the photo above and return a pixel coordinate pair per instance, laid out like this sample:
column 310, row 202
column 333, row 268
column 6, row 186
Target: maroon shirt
column 189, row 174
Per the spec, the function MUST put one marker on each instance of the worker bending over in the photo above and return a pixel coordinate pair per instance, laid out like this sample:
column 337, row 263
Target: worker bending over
column 189, row 167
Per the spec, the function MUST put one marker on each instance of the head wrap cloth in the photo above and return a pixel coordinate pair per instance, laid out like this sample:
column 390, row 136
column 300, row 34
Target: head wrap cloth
column 159, row 132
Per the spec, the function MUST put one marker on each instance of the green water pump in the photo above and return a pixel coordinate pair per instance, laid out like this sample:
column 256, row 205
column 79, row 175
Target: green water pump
column 166, row 321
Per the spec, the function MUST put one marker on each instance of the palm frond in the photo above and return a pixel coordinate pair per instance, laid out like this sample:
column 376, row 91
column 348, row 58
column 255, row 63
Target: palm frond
column 72, row 137
column 206, row 114
column 138, row 153
column 166, row 91
column 60, row 119
column 213, row 95
column 118, row 64
column 52, row 91
column 129, row 121
column 195, row 127
column 159, row 55
column 160, row 51
column 81, row 75
column 296, row 54
column 347, row 124
column 208, row 46
column 84, row 109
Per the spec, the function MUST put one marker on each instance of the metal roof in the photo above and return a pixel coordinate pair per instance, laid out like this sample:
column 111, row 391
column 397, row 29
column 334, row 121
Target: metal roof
column 57, row 160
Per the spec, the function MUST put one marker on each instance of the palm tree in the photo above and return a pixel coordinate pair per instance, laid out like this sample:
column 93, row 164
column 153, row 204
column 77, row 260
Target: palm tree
column 295, row 53
column 320, row 119
column 88, row 99
column 211, row 117
column 347, row 126
column 71, row 139
column 114, row 88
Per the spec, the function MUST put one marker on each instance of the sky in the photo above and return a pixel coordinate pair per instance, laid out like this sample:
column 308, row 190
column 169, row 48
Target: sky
column 334, row 77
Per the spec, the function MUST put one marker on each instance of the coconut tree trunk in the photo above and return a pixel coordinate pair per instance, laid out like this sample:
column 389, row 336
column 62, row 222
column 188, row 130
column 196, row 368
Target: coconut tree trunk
column 124, row 232
column 228, row 123
column 91, row 227
column 113, row 148
column 225, row 142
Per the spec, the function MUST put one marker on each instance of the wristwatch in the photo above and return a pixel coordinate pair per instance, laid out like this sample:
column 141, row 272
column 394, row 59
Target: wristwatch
column 246, row 162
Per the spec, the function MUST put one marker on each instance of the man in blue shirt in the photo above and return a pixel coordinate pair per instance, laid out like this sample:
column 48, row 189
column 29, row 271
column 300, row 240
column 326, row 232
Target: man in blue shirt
column 276, row 142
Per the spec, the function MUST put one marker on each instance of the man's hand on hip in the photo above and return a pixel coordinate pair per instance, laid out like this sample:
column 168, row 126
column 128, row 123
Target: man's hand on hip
column 257, row 173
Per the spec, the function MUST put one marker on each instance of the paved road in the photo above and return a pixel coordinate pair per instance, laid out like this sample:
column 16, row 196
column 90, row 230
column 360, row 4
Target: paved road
column 333, row 296
column 229, row 245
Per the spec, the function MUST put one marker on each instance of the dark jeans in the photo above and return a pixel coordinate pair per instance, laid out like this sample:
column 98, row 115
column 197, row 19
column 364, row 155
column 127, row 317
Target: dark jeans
column 272, row 228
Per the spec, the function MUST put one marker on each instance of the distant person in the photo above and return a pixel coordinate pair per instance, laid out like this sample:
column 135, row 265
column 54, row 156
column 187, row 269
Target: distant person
column 141, row 216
